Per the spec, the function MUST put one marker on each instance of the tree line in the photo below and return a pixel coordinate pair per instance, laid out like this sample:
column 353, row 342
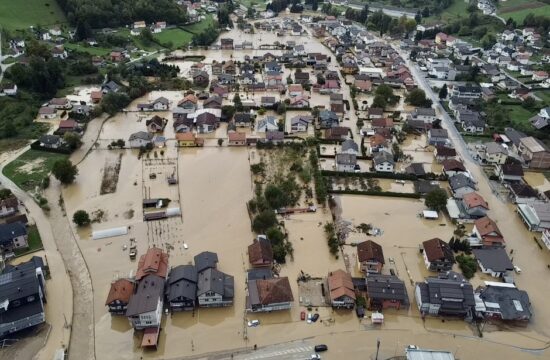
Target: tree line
column 115, row 13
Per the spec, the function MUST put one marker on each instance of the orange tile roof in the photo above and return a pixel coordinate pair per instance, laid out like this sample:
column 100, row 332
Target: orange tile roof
column 155, row 261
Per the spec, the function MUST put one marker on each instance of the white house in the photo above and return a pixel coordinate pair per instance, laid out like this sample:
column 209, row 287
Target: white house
column 215, row 288
column 300, row 123
column 145, row 306
column 47, row 112
column 349, row 147
column 383, row 162
column 140, row 139
column 269, row 123
column 345, row 162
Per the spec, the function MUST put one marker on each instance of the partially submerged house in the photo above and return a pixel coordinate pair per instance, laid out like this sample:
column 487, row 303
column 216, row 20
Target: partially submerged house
column 488, row 232
column 341, row 290
column 260, row 252
column 438, row 255
column 145, row 306
column 386, row 291
column 155, row 262
column 13, row 236
column 119, row 296
column 504, row 302
column 493, row 261
column 269, row 295
column 181, row 288
column 370, row 257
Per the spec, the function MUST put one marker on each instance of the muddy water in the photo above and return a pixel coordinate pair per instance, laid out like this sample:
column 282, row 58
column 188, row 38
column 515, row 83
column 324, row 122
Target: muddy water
column 537, row 180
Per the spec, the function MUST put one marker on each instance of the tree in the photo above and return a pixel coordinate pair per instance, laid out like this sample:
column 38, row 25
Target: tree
column 275, row 197
column 314, row 5
column 529, row 103
column 418, row 17
column 443, row 92
column 5, row 193
column 417, row 97
column 81, row 218
column 379, row 102
column 64, row 171
column 72, row 140
column 83, row 31
column 147, row 36
column 281, row 108
column 114, row 102
column 264, row 221
column 436, row 199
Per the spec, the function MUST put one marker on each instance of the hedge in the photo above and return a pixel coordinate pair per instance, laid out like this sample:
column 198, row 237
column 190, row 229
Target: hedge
column 376, row 193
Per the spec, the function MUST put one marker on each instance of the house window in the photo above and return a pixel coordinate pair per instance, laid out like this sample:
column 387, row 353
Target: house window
column 30, row 298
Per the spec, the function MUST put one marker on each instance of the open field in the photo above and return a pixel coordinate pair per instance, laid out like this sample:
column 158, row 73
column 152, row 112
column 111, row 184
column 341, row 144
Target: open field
column 453, row 12
column 520, row 117
column 28, row 170
column 92, row 50
column 518, row 9
column 22, row 14
column 200, row 26
column 177, row 37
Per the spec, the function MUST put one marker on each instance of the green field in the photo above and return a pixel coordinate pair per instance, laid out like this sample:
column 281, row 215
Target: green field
column 177, row 37
column 544, row 95
column 200, row 26
column 92, row 50
column 519, row 117
column 518, row 9
column 28, row 170
column 457, row 10
column 20, row 14
column 34, row 240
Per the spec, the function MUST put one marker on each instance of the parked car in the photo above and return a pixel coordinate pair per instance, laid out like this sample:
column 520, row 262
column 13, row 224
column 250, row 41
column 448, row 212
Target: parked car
column 320, row 348
column 517, row 269
column 315, row 356
column 315, row 317
column 360, row 311
column 253, row 323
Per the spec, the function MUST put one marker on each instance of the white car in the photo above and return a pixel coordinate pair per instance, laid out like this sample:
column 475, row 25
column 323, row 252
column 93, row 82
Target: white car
column 253, row 323
column 315, row 356
column 517, row 269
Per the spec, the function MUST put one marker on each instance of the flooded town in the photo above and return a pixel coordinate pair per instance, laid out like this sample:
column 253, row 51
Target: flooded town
column 236, row 180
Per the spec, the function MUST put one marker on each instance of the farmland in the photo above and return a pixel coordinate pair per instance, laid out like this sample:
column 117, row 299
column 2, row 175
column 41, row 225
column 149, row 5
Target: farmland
column 176, row 37
column 37, row 12
column 518, row 9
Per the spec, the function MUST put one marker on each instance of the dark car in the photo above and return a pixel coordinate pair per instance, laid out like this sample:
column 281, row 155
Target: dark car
column 315, row 317
column 360, row 311
column 320, row 348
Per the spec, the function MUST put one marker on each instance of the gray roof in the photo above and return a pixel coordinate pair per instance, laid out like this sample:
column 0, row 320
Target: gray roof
column 460, row 180
column 143, row 135
column 415, row 169
column 424, row 186
column 216, row 281
column 20, row 281
column 346, row 159
column 514, row 135
column 242, row 117
column 386, row 287
column 205, row 260
column 259, row 274
column 10, row 231
column 451, row 291
column 182, row 282
column 422, row 354
column 150, row 290
column 161, row 100
column 424, row 112
column 512, row 303
column 494, row 148
column 494, row 259
column 349, row 144
column 382, row 157
column 442, row 133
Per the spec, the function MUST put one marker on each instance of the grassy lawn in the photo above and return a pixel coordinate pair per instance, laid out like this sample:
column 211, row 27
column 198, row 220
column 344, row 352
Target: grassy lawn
column 520, row 117
column 457, row 10
column 34, row 240
column 200, row 26
column 28, row 170
column 518, row 9
column 20, row 14
column 177, row 37
column 544, row 95
column 92, row 50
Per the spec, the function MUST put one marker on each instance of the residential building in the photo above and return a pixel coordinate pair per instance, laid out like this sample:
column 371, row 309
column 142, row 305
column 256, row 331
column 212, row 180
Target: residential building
column 427, row 115
column 452, row 167
column 9, row 206
column 424, row 354
column 236, row 139
column 416, row 169
column 50, row 141
column 156, row 124
column 504, row 302
column 145, row 306
column 260, row 252
column 155, row 262
column 370, row 257
column 489, row 233
column 438, row 137
column 13, row 236
column 266, row 295
column 474, row 205
column 535, row 215
column 495, row 153
column 328, row 119
column 493, row 261
column 188, row 139
column 181, row 288
column 386, row 291
column 511, row 172
column 438, row 255
column 337, row 133
column 443, row 153
column 242, row 120
column 345, row 162
column 375, row 113
column 46, row 112
column 382, row 123
column 383, row 162
column 269, row 123
column 140, row 139
column 300, row 123
column 349, row 147
column 119, row 296
column 22, row 295
column 522, row 193
column 534, row 153
column 461, row 184
column 275, row 137
column 214, row 288
column 449, row 294
column 340, row 287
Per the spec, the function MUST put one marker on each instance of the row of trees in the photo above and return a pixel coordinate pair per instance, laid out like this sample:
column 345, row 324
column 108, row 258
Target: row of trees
column 100, row 14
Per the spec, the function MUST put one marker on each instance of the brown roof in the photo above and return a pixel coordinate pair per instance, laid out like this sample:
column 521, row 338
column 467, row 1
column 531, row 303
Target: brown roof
column 369, row 250
column 191, row 98
column 485, row 226
column 512, row 169
column 473, row 199
column 96, row 95
column 59, row 101
column 260, row 252
column 363, row 85
column 186, row 136
column 67, row 124
column 339, row 284
column 452, row 165
column 9, row 202
column 377, row 140
column 276, row 290
column 436, row 249
column 121, row 290
column 382, row 122
column 155, row 261
column 237, row 136
column 445, row 151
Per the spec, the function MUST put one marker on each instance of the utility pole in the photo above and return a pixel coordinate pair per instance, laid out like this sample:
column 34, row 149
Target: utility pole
column 377, row 347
